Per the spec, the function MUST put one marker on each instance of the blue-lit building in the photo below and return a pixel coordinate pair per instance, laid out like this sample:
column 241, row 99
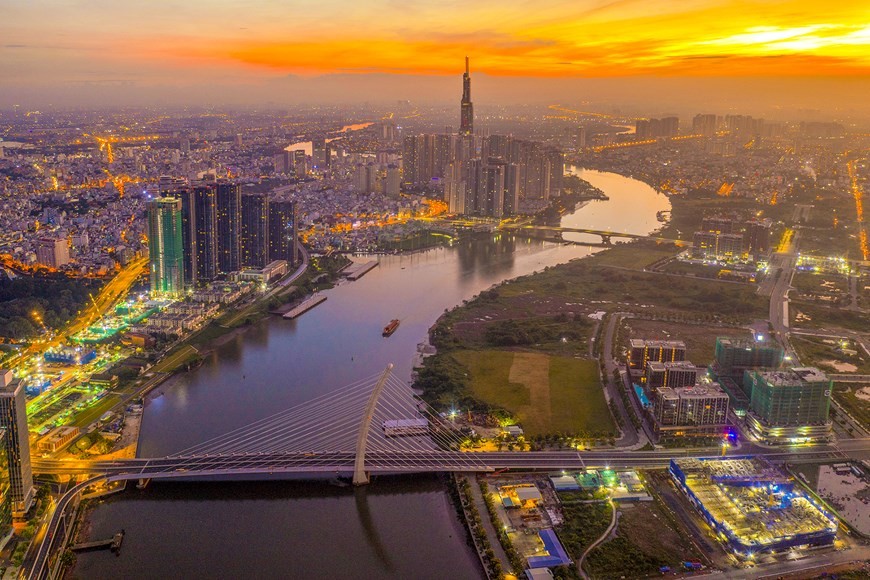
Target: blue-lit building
column 751, row 506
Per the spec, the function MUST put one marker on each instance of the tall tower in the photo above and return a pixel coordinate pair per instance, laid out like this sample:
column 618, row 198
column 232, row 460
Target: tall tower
column 255, row 230
column 165, row 246
column 466, row 121
column 13, row 419
column 229, row 226
column 282, row 231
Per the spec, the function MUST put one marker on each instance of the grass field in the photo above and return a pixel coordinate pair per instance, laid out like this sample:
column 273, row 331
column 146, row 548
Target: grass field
column 94, row 412
column 181, row 357
column 546, row 394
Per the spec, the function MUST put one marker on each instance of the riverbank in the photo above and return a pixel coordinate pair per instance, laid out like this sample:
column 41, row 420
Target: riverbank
column 279, row 365
column 553, row 314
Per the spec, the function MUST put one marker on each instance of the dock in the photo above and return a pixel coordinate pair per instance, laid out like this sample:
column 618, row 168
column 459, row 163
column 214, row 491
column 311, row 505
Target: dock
column 304, row 306
column 357, row 270
column 113, row 543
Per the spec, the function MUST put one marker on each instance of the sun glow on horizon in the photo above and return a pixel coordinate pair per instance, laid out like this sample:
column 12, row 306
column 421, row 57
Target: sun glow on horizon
column 583, row 38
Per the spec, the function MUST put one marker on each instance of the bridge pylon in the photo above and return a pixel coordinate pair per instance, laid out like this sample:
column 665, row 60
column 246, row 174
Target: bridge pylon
column 360, row 477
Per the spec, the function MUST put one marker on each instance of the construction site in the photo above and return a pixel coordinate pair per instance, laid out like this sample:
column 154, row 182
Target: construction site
column 752, row 506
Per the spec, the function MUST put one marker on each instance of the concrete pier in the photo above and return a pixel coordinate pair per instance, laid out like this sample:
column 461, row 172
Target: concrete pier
column 357, row 270
column 305, row 306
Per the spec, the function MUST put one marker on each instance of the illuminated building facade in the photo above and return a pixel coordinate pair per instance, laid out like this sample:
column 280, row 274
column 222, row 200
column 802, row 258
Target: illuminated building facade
column 255, row 230
column 790, row 405
column 229, row 225
column 282, row 231
column 700, row 409
column 13, row 419
column 5, row 488
column 165, row 247
column 642, row 351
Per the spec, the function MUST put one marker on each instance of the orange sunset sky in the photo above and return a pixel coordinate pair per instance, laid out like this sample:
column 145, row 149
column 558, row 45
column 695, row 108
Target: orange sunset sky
column 163, row 42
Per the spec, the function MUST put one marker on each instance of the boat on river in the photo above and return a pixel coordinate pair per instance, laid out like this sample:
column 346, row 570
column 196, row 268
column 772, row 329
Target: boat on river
column 391, row 327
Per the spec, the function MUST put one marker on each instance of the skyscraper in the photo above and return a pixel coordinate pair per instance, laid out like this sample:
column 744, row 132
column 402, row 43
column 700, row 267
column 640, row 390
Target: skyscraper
column 205, row 198
column 188, row 234
column 255, row 230
column 466, row 121
column 165, row 246
column 229, row 226
column 282, row 231
column 13, row 419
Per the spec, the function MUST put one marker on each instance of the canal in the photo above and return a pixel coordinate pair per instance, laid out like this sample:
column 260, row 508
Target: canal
column 394, row 528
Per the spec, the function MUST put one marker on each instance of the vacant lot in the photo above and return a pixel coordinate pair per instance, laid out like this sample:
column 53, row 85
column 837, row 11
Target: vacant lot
column 593, row 279
column 646, row 540
column 818, row 316
column 546, row 394
column 825, row 354
column 700, row 339
column 847, row 396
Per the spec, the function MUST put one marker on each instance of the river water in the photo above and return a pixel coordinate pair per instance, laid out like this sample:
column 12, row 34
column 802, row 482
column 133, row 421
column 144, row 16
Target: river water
column 394, row 528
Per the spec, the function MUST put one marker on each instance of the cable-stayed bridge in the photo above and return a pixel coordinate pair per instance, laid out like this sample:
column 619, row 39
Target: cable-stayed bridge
column 373, row 426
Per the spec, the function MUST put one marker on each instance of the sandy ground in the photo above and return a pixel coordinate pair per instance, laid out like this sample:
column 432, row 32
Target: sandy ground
column 863, row 394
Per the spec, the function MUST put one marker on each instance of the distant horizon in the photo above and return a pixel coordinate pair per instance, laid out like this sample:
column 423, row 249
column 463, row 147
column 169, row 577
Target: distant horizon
column 809, row 99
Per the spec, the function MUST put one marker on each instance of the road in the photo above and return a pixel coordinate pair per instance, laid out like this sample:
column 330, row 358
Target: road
column 630, row 435
column 257, row 464
column 105, row 300
column 54, row 535
column 784, row 265
column 417, row 461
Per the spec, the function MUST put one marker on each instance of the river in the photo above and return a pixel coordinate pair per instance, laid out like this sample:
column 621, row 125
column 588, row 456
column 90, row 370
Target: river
column 394, row 528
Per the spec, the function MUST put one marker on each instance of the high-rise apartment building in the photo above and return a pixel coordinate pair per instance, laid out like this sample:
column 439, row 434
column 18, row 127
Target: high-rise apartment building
column 229, row 226
column 13, row 419
column 165, row 247
column 673, row 375
column 52, row 252
column 643, row 351
column 199, row 219
column 704, row 124
column 300, row 163
column 282, row 231
column 5, row 486
column 255, row 230
column 701, row 409
column 393, row 183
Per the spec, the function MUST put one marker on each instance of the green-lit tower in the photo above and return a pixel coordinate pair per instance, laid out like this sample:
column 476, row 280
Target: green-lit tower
column 165, row 247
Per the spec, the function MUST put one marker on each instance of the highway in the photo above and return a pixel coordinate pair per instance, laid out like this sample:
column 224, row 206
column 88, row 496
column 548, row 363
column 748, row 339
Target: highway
column 415, row 461
column 105, row 300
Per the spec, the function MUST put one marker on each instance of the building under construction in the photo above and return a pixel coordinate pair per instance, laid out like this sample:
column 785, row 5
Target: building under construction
column 752, row 506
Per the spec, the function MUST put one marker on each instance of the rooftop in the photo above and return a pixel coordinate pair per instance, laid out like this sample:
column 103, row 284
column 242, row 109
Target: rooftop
column 794, row 376
column 655, row 343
